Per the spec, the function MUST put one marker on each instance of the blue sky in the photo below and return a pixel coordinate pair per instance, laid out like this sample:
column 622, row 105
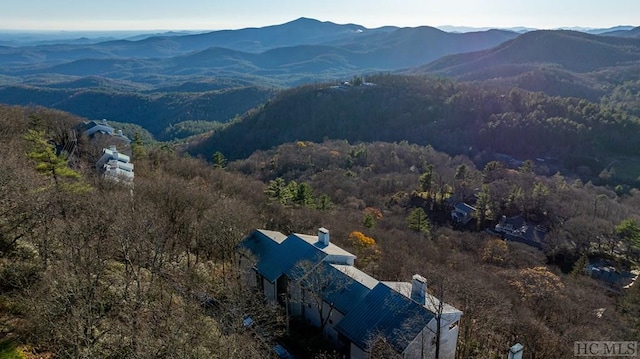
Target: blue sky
column 233, row 14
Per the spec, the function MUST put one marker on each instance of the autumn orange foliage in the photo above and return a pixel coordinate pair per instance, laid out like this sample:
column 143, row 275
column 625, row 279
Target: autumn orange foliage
column 359, row 239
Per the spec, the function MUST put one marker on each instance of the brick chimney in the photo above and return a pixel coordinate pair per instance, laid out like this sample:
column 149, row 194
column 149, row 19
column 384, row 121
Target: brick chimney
column 323, row 236
column 418, row 289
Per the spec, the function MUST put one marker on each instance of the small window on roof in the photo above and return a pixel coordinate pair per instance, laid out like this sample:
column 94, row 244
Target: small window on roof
column 453, row 326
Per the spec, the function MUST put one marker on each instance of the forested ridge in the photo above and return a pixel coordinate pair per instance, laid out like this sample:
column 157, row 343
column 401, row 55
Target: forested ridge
column 558, row 63
column 92, row 269
column 454, row 117
column 571, row 50
column 155, row 110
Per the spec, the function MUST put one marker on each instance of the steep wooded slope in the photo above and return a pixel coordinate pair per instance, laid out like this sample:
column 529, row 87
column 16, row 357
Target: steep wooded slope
column 453, row 117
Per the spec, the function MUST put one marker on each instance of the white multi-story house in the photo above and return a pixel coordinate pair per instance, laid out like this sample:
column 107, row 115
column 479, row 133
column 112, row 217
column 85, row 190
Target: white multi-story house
column 318, row 282
column 115, row 165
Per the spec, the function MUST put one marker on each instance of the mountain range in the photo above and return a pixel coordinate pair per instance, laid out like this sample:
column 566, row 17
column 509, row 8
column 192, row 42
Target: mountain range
column 558, row 62
column 306, row 49
column 152, row 80
column 271, row 48
column 137, row 76
column 34, row 38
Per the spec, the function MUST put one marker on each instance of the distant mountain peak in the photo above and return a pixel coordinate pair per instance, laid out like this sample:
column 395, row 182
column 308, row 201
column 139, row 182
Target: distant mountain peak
column 305, row 19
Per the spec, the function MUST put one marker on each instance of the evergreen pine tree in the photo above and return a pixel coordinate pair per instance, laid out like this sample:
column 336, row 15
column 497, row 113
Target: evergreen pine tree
column 219, row 161
column 51, row 164
column 324, row 203
column 304, row 195
column 418, row 221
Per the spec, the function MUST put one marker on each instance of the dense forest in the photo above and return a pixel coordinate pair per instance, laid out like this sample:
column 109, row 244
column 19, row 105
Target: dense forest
column 91, row 268
column 156, row 110
column 453, row 117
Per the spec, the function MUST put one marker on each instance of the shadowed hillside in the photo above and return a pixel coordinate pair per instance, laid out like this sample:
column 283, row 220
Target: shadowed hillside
column 559, row 63
column 573, row 51
column 452, row 117
column 153, row 111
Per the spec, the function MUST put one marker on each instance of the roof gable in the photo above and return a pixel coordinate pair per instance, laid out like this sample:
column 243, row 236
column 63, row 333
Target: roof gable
column 266, row 247
column 92, row 127
column 295, row 251
column 277, row 255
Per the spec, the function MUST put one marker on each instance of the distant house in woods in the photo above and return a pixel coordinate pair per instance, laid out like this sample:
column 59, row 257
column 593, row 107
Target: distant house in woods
column 462, row 213
column 356, row 311
column 518, row 230
column 96, row 128
column 608, row 274
column 508, row 160
column 115, row 165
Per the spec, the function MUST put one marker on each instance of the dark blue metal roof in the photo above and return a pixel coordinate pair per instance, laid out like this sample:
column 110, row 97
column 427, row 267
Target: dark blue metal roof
column 386, row 313
column 275, row 258
column 337, row 287
column 268, row 254
column 296, row 250
column 463, row 207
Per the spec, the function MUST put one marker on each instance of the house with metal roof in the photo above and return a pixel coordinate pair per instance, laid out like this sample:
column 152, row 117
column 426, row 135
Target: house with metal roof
column 517, row 229
column 462, row 213
column 317, row 282
column 94, row 128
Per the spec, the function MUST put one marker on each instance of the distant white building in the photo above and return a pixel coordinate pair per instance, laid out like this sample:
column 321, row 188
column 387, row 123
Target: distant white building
column 115, row 165
column 356, row 309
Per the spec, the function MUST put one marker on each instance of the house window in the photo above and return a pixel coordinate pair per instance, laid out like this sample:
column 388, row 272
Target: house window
column 259, row 281
column 453, row 326
column 330, row 321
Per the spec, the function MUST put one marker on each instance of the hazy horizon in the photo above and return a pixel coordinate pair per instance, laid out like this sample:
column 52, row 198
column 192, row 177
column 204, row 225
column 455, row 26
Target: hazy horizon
column 203, row 15
column 447, row 27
